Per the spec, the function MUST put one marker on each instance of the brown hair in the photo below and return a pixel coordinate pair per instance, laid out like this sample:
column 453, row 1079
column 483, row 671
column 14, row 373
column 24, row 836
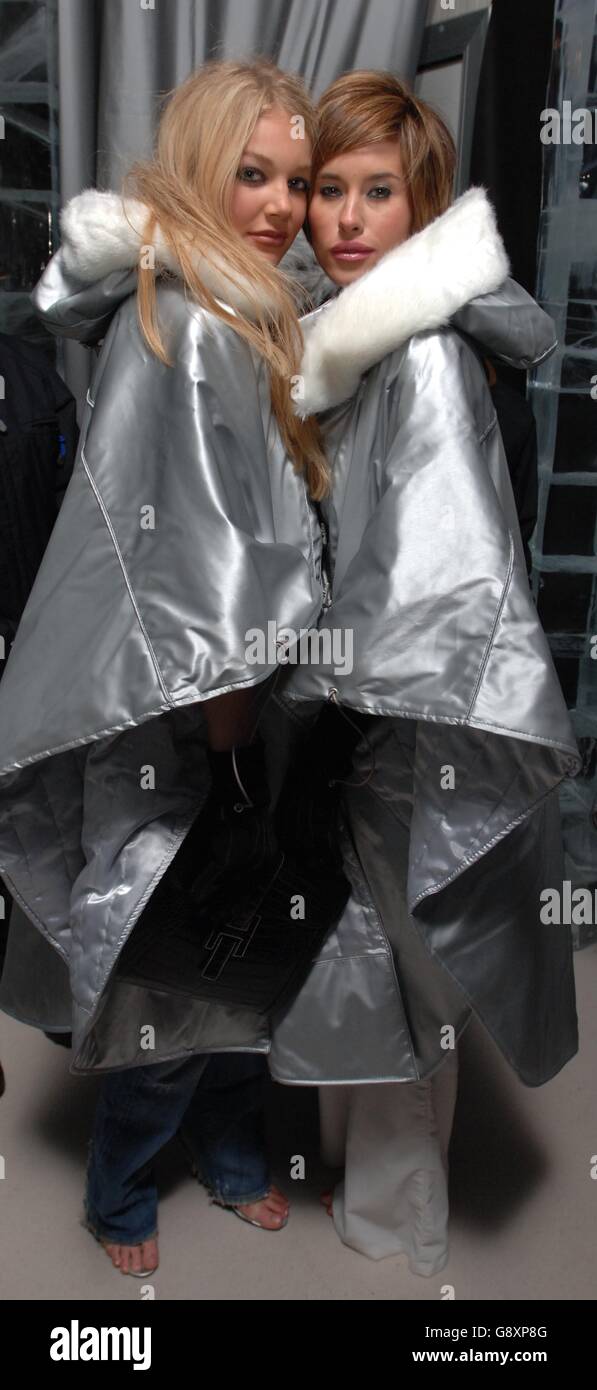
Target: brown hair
column 363, row 107
column 187, row 187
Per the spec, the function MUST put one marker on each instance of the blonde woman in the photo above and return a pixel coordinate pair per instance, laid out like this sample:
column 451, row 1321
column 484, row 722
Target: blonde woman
column 461, row 731
column 129, row 698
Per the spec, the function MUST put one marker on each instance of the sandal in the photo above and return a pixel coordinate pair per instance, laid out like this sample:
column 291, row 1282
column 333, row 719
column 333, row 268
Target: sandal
column 136, row 1273
column 218, row 1201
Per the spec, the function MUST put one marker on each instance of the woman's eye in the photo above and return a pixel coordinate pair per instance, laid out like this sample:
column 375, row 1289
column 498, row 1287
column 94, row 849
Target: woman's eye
column 299, row 185
column 382, row 191
column 328, row 190
column 246, row 174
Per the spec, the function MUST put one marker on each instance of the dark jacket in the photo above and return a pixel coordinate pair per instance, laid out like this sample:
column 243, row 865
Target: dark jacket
column 38, row 441
column 519, row 435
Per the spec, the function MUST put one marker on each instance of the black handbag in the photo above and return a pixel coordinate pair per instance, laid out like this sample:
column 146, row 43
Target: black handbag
column 255, row 954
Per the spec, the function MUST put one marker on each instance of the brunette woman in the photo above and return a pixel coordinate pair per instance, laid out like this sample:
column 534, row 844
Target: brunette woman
column 450, row 827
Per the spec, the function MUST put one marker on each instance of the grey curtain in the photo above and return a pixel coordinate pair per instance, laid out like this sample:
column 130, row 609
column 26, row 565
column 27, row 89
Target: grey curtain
column 118, row 57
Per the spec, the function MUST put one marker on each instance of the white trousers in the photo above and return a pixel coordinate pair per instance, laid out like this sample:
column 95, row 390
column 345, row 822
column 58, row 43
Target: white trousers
column 393, row 1140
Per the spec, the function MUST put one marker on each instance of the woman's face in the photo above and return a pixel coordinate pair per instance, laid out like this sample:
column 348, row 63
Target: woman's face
column 269, row 201
column 359, row 209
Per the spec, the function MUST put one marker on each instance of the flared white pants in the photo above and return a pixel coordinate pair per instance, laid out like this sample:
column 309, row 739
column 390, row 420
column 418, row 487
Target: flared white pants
column 392, row 1139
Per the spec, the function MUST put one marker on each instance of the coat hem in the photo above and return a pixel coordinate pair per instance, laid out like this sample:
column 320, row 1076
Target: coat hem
column 164, row 1057
column 174, row 702
column 501, row 730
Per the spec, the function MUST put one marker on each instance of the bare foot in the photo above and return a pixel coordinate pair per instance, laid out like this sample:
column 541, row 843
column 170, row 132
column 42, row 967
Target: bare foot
column 327, row 1199
column 131, row 1259
column 271, row 1211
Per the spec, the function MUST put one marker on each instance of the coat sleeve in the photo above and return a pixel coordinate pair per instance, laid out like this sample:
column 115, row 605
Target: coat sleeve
column 71, row 308
column 509, row 324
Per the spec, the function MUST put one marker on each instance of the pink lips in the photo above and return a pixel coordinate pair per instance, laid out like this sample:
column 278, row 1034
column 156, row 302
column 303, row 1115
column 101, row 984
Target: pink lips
column 351, row 251
column 274, row 238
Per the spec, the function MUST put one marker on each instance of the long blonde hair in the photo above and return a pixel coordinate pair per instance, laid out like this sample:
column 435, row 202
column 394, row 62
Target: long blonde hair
column 187, row 187
column 363, row 107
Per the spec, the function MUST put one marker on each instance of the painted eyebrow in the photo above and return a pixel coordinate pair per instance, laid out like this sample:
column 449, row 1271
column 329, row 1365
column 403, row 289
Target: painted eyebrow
column 263, row 159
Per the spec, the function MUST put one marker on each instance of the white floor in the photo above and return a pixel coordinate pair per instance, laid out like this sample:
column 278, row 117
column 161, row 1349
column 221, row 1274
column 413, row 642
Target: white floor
column 524, row 1204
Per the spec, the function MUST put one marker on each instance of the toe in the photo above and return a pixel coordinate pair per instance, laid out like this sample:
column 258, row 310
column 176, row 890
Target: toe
column 277, row 1200
column 149, row 1253
column 114, row 1253
column 278, row 1204
column 133, row 1258
column 263, row 1213
column 268, row 1217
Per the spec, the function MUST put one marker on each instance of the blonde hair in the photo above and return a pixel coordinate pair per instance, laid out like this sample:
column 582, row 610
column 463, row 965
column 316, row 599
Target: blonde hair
column 187, row 187
column 363, row 107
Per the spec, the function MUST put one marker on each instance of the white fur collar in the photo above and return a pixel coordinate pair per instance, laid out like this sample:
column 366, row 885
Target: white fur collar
column 102, row 232
column 417, row 286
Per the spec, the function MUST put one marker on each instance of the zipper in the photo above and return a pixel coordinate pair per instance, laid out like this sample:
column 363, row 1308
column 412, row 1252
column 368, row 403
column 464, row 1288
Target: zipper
column 327, row 588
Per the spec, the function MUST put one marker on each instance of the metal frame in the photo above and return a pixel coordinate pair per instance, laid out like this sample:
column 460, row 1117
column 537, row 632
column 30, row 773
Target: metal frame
column 455, row 40
column 15, row 304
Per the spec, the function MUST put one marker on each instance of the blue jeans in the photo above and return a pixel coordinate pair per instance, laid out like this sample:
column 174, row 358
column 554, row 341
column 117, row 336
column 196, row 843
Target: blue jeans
column 215, row 1104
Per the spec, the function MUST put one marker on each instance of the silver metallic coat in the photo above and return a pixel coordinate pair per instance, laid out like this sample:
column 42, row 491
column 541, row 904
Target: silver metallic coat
column 184, row 526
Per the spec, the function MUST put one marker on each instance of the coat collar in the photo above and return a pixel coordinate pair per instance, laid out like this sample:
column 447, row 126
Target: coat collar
column 102, row 232
column 417, row 286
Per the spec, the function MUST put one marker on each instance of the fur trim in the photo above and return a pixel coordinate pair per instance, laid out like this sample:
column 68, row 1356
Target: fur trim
column 102, row 232
column 416, row 286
